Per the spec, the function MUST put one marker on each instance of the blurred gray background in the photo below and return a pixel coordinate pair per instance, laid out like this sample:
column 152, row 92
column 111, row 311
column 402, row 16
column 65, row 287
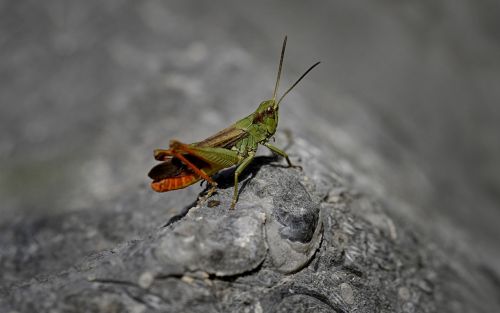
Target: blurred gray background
column 406, row 94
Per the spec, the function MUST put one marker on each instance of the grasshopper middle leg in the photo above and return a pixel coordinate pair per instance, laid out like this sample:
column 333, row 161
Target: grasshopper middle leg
column 237, row 173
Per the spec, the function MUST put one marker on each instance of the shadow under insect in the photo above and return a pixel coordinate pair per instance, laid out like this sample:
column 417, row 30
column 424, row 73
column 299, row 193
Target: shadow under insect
column 225, row 180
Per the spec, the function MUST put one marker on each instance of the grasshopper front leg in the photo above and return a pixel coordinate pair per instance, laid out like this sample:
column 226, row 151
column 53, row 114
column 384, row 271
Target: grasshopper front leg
column 282, row 153
column 237, row 173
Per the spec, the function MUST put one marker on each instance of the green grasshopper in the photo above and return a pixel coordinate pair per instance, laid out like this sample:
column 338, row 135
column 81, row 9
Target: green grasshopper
column 185, row 164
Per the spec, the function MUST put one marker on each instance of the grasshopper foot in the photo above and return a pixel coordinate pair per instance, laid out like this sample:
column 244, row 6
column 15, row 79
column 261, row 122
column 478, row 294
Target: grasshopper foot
column 211, row 190
column 296, row 166
column 209, row 193
column 290, row 164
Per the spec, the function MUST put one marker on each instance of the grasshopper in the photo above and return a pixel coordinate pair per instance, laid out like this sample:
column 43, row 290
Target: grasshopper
column 185, row 164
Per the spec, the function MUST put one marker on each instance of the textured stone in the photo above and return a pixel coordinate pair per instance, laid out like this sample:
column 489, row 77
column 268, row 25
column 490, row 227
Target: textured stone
column 390, row 214
column 283, row 249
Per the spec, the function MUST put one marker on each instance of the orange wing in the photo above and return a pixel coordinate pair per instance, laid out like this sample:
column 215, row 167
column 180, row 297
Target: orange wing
column 174, row 183
column 172, row 174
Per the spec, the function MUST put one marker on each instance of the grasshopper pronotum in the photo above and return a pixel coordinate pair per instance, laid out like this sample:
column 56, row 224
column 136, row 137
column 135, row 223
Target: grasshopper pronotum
column 185, row 164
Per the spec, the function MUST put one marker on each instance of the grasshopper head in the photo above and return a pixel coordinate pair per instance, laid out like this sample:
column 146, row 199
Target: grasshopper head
column 267, row 115
column 267, row 112
column 269, row 109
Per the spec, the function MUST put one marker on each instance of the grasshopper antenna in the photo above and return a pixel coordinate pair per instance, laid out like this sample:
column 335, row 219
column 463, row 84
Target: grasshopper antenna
column 279, row 68
column 298, row 80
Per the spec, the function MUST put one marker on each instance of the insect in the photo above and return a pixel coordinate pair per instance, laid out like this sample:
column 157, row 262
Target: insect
column 185, row 164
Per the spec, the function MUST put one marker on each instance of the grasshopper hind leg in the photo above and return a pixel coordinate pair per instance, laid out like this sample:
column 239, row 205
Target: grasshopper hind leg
column 201, row 174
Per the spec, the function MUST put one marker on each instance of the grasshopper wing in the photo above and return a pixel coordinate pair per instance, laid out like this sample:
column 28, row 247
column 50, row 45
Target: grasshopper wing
column 173, row 167
column 226, row 138
column 172, row 174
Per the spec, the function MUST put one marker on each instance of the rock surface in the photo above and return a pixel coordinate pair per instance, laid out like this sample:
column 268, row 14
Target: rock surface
column 298, row 241
column 397, row 131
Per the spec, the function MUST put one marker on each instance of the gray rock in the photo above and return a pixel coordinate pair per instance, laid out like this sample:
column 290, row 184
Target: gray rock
column 287, row 247
column 397, row 206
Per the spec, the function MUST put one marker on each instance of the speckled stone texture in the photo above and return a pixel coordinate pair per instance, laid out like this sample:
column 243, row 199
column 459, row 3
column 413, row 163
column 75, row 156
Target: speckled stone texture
column 396, row 209
column 298, row 241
